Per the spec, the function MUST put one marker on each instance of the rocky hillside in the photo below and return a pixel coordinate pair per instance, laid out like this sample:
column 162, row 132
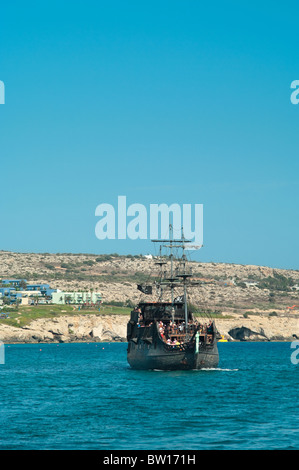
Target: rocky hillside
column 222, row 287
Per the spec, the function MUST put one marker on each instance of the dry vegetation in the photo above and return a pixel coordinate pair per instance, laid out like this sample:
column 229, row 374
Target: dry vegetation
column 222, row 286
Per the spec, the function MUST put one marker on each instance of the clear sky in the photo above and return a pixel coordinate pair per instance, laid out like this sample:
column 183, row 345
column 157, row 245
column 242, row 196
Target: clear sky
column 161, row 101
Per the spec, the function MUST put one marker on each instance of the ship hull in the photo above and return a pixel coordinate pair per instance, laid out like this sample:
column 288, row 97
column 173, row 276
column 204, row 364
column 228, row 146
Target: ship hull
column 149, row 357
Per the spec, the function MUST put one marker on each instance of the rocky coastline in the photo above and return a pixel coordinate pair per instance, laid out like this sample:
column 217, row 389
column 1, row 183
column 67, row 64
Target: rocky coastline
column 112, row 328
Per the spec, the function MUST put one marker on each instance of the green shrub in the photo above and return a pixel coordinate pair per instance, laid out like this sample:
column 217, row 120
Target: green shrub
column 278, row 282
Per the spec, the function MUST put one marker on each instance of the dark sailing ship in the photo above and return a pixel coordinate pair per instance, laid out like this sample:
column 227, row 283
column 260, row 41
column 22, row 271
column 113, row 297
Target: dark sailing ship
column 164, row 334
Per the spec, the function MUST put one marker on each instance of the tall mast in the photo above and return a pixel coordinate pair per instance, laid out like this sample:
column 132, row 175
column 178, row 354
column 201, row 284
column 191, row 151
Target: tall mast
column 160, row 262
column 173, row 280
column 184, row 275
column 185, row 287
column 171, row 261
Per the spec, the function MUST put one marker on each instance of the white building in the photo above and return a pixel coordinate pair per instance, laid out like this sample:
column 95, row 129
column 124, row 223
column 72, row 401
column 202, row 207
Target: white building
column 62, row 298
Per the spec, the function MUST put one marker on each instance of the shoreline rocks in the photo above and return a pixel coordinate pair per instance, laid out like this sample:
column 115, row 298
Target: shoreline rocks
column 82, row 328
column 113, row 328
column 259, row 328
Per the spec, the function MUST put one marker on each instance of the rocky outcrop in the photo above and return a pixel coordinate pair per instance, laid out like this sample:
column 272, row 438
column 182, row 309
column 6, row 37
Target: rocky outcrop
column 85, row 328
column 245, row 334
column 259, row 328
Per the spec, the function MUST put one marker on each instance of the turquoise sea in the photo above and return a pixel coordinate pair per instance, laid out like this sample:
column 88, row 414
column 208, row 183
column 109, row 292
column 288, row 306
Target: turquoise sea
column 85, row 396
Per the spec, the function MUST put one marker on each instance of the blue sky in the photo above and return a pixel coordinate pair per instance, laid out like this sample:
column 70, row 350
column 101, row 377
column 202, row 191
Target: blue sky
column 161, row 101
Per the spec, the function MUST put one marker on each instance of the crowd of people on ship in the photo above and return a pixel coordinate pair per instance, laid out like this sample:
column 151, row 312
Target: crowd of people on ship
column 171, row 332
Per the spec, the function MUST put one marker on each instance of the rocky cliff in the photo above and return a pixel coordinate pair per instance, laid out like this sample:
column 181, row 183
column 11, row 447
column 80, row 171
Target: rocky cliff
column 68, row 329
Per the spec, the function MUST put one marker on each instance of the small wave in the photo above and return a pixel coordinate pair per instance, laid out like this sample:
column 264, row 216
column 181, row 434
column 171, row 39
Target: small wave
column 198, row 370
column 216, row 368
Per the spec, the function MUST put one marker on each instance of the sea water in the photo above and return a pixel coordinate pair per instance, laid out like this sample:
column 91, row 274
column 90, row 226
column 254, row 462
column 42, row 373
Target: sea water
column 85, row 396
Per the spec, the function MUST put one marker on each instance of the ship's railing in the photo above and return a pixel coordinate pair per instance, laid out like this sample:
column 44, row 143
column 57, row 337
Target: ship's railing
column 175, row 336
column 169, row 331
column 189, row 345
column 179, row 347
